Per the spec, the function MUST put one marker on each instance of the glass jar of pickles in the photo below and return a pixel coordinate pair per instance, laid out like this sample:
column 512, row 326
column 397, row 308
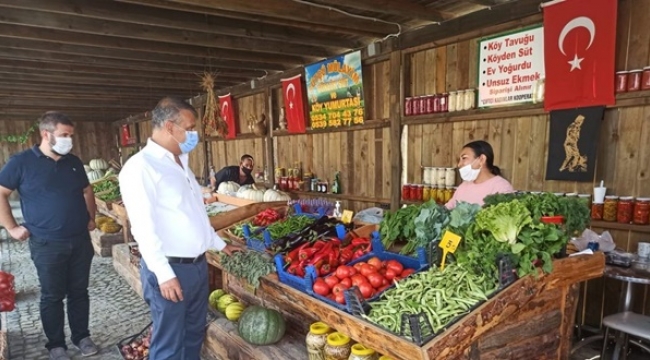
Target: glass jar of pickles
column 440, row 195
column 426, row 193
column 642, row 211
column 316, row 340
column 610, row 208
column 414, row 192
column 433, row 193
column 597, row 211
column 406, row 192
column 338, row 347
column 360, row 352
column 624, row 210
column 448, row 194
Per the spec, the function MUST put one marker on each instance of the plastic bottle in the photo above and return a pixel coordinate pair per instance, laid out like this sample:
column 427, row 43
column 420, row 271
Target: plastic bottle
column 337, row 210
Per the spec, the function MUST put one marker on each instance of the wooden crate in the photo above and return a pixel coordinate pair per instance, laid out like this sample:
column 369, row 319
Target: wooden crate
column 103, row 242
column 532, row 316
column 123, row 266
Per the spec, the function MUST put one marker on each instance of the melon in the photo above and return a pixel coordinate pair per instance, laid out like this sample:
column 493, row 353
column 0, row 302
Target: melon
column 234, row 310
column 215, row 296
column 224, row 301
column 261, row 326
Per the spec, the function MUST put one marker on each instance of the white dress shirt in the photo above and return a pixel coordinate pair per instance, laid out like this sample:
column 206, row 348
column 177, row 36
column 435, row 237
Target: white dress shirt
column 165, row 206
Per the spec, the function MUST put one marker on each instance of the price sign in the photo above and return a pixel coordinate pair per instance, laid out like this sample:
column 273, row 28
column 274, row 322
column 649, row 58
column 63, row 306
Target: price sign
column 448, row 244
column 346, row 218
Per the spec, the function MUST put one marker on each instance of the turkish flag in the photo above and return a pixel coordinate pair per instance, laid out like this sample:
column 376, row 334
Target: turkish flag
column 228, row 114
column 579, row 51
column 293, row 104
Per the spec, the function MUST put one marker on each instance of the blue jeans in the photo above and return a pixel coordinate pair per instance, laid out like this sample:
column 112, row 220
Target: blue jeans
column 63, row 268
column 178, row 328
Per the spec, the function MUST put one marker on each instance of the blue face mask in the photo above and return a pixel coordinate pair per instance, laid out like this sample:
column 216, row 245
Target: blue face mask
column 191, row 140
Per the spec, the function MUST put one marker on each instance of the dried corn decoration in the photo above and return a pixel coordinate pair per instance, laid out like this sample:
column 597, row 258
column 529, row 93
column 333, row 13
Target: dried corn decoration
column 211, row 118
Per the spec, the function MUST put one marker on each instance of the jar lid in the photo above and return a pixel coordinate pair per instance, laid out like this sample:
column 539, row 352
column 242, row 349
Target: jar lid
column 611, row 197
column 337, row 339
column 558, row 194
column 646, row 68
column 621, row 72
column 636, row 70
column 584, row 195
column 384, row 357
column 361, row 350
column 319, row 328
column 643, row 199
column 627, row 198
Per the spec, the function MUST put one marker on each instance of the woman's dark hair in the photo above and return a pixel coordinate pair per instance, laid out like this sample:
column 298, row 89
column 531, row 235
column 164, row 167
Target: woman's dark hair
column 481, row 147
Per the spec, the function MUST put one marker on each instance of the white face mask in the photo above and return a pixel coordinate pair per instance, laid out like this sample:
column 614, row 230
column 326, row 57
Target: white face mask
column 62, row 145
column 467, row 173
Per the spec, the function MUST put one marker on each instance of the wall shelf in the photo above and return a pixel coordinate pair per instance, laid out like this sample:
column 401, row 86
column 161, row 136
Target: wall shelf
column 339, row 196
column 612, row 225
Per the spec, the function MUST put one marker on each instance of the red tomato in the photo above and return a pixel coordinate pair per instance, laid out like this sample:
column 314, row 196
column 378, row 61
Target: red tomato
column 342, row 272
column 331, row 281
column 358, row 265
column 375, row 279
column 347, row 282
column 395, row 266
column 358, row 279
column 383, row 288
column 385, row 282
column 353, row 271
column 366, row 290
column 338, row 289
column 367, row 269
column 382, row 271
column 407, row 272
column 340, row 298
column 391, row 274
column 374, row 261
column 320, row 287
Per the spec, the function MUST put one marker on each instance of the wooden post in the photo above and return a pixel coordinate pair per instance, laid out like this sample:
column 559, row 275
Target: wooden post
column 268, row 140
column 395, row 92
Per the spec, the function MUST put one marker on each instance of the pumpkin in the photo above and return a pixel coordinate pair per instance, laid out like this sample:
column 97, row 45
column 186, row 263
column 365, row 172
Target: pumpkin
column 95, row 175
column 228, row 187
column 110, row 227
column 234, row 310
column 98, row 164
column 224, row 301
column 252, row 195
column 261, row 326
column 274, row 195
column 87, row 169
column 215, row 296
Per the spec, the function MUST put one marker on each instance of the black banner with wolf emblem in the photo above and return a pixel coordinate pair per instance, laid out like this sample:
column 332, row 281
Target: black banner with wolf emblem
column 573, row 142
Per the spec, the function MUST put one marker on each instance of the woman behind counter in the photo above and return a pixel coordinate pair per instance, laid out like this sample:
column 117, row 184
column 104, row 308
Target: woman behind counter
column 480, row 176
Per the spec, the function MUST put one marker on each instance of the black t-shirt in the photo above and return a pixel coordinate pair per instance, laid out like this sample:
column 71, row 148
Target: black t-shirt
column 231, row 173
column 51, row 193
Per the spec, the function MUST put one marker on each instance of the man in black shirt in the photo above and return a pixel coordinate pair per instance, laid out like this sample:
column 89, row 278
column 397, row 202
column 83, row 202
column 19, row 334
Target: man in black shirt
column 240, row 174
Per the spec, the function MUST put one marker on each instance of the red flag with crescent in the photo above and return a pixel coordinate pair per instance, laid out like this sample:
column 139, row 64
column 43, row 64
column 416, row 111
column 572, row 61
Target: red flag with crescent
column 293, row 104
column 228, row 114
column 579, row 53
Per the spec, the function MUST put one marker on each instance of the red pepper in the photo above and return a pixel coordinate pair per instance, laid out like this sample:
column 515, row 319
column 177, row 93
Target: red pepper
column 293, row 269
column 333, row 260
column 300, row 271
column 346, row 256
column 360, row 241
column 307, row 253
column 357, row 254
column 335, row 242
column 320, row 257
column 293, row 254
column 319, row 244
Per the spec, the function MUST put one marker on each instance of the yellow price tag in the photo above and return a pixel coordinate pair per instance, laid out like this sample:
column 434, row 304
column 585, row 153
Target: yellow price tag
column 346, row 218
column 448, row 244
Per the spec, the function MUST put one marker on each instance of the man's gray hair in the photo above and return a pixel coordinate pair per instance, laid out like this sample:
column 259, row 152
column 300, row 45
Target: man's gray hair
column 49, row 120
column 168, row 109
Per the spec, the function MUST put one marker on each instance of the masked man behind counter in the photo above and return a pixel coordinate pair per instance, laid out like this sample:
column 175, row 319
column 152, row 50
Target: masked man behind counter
column 240, row 174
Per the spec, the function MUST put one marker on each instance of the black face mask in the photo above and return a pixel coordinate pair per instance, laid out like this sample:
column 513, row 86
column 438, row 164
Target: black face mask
column 246, row 171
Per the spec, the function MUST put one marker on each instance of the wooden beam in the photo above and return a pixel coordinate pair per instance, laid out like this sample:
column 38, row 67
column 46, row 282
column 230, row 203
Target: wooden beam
column 182, row 20
column 470, row 22
column 75, row 116
column 290, row 10
column 483, row 2
column 153, row 47
column 395, row 113
column 80, row 96
column 38, row 55
column 95, row 51
column 394, row 7
column 91, row 90
column 299, row 25
column 22, row 102
column 67, row 107
column 154, row 33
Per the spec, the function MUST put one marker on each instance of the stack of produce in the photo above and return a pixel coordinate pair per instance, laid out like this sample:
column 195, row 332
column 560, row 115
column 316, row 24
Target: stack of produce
column 96, row 169
column 324, row 255
column 7, row 292
column 253, row 192
column 107, row 190
column 370, row 277
column 249, row 265
column 266, row 218
column 226, row 304
column 138, row 348
column 107, row 224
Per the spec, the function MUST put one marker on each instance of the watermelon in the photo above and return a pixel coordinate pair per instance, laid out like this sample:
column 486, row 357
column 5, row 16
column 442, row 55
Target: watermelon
column 234, row 310
column 215, row 296
column 224, row 301
column 261, row 326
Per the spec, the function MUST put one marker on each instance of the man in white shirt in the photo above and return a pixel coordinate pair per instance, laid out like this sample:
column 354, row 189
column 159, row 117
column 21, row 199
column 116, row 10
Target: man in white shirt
column 170, row 224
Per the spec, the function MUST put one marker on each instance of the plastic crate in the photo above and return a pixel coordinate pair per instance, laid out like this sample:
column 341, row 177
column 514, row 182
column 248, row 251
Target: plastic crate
column 419, row 264
column 128, row 340
column 294, row 281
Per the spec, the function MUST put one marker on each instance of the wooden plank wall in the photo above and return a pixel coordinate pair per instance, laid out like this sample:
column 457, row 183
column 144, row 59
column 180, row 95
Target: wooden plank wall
column 360, row 155
column 90, row 140
column 521, row 143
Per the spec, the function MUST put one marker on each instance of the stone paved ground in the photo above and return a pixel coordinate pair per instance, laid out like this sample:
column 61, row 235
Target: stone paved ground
column 115, row 310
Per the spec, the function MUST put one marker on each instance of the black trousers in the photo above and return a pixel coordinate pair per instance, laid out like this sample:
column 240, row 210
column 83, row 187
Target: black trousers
column 63, row 268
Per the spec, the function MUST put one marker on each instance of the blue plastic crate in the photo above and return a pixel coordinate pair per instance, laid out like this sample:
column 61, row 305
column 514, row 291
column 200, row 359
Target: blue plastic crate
column 418, row 264
column 294, row 281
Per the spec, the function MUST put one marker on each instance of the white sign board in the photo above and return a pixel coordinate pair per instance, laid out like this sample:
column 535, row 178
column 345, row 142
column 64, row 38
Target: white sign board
column 509, row 67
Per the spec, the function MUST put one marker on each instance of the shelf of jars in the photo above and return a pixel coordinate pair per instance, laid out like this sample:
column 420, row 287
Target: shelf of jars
column 622, row 213
column 439, row 184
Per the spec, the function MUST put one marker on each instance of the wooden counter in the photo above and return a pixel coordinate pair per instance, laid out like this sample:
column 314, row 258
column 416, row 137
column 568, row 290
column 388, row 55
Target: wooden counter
column 531, row 317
